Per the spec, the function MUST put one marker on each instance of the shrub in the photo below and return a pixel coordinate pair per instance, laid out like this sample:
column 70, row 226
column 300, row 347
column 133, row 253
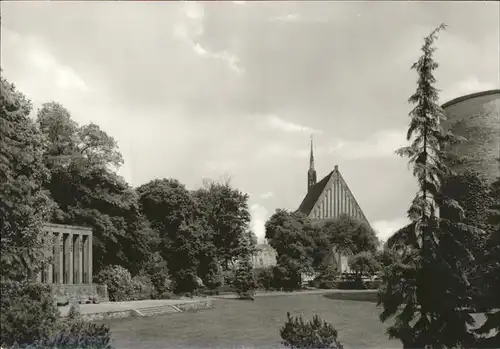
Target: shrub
column 31, row 320
column 317, row 334
column 287, row 278
column 119, row 282
column 28, row 313
column 155, row 267
column 264, row 278
column 143, row 287
column 228, row 276
column 327, row 278
column 76, row 333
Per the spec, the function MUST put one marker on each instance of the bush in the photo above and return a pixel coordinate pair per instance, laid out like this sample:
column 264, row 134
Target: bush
column 30, row 320
column 28, row 313
column 143, row 287
column 155, row 267
column 287, row 278
column 264, row 278
column 119, row 282
column 317, row 334
column 356, row 284
column 327, row 278
column 75, row 333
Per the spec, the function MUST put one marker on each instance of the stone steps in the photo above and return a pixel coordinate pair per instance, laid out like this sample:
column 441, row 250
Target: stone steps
column 157, row 310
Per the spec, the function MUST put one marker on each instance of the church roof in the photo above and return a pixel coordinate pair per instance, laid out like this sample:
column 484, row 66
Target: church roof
column 313, row 195
column 316, row 193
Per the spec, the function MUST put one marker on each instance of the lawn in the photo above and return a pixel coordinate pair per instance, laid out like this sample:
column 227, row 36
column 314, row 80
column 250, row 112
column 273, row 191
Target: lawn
column 236, row 324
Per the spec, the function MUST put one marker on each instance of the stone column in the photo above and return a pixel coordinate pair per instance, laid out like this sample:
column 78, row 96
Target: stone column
column 78, row 260
column 89, row 259
column 59, row 259
column 50, row 258
column 68, row 268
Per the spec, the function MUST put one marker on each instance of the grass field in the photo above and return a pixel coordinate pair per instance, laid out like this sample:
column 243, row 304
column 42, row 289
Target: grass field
column 238, row 324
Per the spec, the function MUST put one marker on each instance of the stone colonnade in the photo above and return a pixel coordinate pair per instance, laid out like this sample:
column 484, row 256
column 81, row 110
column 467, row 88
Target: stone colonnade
column 70, row 255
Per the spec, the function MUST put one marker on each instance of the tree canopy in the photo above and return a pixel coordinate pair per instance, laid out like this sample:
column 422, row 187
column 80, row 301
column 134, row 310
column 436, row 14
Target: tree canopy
column 25, row 205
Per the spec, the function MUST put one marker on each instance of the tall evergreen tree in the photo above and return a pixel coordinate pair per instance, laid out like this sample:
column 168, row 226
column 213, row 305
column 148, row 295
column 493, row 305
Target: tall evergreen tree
column 427, row 291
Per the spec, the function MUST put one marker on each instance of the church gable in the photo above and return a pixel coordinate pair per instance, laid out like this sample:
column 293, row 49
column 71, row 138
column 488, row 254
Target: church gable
column 332, row 199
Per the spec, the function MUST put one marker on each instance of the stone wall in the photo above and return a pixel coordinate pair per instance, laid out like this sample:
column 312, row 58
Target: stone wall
column 477, row 118
column 81, row 293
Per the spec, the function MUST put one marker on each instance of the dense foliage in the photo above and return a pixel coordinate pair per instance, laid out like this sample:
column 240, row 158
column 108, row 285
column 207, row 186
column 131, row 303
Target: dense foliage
column 30, row 319
column 317, row 334
column 123, row 287
column 287, row 233
column 427, row 291
column 304, row 246
column 364, row 264
column 349, row 234
column 491, row 272
column 27, row 313
column 24, row 203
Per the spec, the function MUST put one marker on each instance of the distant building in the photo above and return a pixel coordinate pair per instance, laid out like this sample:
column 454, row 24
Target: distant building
column 264, row 257
column 328, row 199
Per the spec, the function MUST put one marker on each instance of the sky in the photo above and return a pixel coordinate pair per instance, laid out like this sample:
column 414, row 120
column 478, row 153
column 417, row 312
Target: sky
column 206, row 90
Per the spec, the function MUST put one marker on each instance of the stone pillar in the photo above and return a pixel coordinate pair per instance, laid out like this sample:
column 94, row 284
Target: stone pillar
column 50, row 256
column 58, row 259
column 78, row 260
column 68, row 268
column 89, row 258
column 87, row 253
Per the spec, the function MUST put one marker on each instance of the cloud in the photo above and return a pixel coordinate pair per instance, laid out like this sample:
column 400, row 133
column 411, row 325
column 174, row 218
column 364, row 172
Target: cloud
column 385, row 228
column 287, row 126
column 267, row 195
column 467, row 86
column 42, row 74
column 191, row 26
column 231, row 59
column 258, row 223
column 380, row 145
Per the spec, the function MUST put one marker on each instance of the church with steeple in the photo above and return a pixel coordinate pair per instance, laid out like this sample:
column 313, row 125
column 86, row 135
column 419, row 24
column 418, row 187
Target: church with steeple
column 328, row 199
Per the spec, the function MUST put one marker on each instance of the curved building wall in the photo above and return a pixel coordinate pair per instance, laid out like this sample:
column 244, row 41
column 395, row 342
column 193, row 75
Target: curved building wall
column 477, row 118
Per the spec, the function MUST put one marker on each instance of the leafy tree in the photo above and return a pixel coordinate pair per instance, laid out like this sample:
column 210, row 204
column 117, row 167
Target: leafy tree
column 288, row 234
column 89, row 193
column 183, row 236
column 364, row 263
column 24, row 203
column 225, row 211
column 349, row 234
column 98, row 148
column 317, row 334
column 491, row 276
column 60, row 131
column 427, row 291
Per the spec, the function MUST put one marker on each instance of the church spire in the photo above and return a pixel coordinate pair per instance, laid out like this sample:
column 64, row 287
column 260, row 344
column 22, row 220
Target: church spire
column 311, row 174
